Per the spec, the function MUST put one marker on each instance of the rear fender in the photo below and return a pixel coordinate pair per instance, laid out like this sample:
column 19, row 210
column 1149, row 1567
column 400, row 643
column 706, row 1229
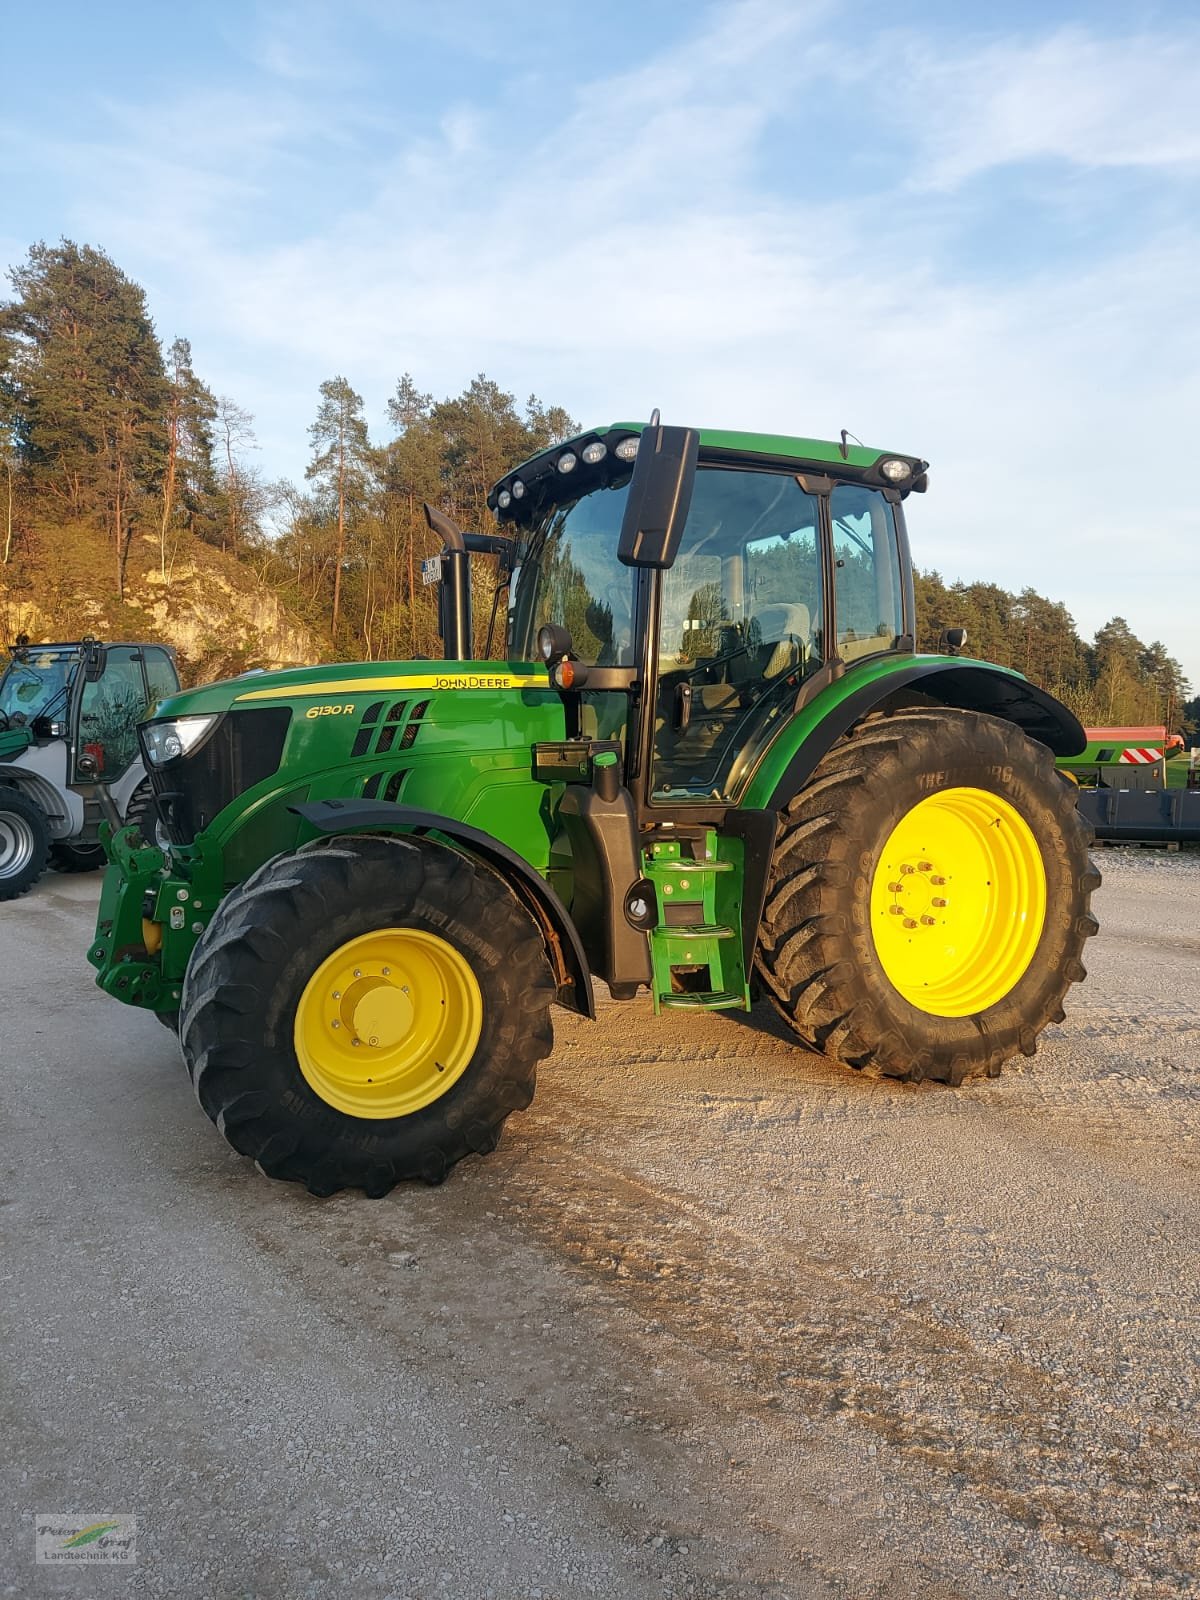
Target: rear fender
column 967, row 686
column 563, row 944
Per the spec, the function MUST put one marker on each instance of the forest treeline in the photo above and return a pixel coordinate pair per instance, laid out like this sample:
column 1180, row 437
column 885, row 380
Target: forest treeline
column 112, row 447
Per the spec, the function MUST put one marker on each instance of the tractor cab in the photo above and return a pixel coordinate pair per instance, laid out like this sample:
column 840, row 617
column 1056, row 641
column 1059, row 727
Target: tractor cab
column 69, row 755
column 776, row 577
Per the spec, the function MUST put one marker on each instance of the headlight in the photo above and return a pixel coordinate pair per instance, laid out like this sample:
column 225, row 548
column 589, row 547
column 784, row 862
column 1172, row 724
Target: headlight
column 167, row 741
column 628, row 448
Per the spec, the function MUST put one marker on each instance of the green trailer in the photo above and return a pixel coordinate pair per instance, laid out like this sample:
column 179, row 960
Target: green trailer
column 710, row 766
column 1137, row 785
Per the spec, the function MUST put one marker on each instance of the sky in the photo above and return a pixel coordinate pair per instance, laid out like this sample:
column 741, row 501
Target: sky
column 967, row 232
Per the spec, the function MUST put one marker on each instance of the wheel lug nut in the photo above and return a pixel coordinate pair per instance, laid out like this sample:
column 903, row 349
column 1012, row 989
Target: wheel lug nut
column 906, row 868
column 937, row 880
column 929, row 921
column 897, row 911
column 337, row 994
column 909, row 923
column 937, row 902
column 895, row 888
column 924, row 866
column 387, row 972
column 358, row 972
column 356, row 1043
column 335, row 1024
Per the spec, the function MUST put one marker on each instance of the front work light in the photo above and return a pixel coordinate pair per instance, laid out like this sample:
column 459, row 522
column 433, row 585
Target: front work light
column 895, row 470
column 504, row 499
column 594, row 452
column 167, row 741
column 518, row 489
column 627, row 449
column 567, row 462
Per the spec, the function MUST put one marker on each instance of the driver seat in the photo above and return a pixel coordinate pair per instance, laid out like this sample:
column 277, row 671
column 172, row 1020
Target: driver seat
column 786, row 631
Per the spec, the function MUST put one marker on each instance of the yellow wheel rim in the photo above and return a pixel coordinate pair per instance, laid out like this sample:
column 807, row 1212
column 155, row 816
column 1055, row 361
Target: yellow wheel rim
column 958, row 902
column 388, row 1023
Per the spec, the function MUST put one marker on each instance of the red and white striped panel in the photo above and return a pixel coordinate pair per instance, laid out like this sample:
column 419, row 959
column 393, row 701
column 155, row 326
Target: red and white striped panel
column 1139, row 757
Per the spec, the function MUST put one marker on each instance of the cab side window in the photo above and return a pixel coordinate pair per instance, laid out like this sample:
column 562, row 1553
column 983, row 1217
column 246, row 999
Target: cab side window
column 161, row 677
column 867, row 579
column 111, row 710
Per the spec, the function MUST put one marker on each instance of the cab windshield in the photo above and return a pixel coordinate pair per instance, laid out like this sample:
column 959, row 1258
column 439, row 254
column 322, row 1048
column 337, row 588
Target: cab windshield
column 568, row 573
column 32, row 682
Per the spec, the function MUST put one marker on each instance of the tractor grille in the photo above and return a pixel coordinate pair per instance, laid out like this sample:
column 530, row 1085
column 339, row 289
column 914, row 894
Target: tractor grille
column 383, row 728
column 243, row 749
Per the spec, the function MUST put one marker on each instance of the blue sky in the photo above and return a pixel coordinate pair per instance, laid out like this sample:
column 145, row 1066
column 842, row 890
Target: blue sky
column 970, row 232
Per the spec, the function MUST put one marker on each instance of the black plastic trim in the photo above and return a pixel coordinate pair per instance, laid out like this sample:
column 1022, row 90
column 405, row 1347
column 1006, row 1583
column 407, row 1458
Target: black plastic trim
column 561, row 935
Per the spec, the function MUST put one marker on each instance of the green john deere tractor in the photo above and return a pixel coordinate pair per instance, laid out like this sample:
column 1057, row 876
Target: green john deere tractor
column 711, row 765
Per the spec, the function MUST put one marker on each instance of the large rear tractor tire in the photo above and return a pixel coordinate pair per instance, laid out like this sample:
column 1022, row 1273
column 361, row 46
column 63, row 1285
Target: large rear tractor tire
column 929, row 899
column 24, row 843
column 364, row 1011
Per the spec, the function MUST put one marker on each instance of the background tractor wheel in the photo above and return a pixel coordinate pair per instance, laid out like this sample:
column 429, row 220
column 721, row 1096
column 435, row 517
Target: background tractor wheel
column 69, row 856
column 366, row 1010
column 24, row 843
column 142, row 813
column 929, row 899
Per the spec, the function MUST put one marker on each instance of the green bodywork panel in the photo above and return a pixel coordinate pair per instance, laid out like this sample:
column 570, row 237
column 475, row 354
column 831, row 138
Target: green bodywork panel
column 13, row 741
column 785, row 447
column 469, row 758
column 794, row 729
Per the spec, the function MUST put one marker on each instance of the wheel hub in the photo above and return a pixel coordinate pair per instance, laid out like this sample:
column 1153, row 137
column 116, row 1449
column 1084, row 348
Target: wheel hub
column 958, row 902
column 16, row 845
column 388, row 1022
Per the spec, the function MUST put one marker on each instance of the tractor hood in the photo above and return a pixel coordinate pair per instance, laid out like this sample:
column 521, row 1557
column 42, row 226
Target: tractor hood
column 325, row 690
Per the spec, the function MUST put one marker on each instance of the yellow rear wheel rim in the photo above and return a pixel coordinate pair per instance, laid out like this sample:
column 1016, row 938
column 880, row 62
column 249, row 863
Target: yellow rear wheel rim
column 388, row 1023
column 958, row 902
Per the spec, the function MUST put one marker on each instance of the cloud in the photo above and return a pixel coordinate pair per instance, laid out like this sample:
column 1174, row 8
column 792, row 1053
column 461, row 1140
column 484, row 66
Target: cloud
column 1072, row 97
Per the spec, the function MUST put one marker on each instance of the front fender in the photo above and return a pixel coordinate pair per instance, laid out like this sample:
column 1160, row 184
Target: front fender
column 563, row 944
column 942, row 680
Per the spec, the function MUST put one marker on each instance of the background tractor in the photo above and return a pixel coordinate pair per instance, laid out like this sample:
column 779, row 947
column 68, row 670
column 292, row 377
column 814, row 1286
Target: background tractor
column 710, row 765
column 69, row 754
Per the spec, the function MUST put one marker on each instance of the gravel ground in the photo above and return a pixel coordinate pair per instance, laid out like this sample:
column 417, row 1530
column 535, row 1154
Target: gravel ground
column 717, row 1319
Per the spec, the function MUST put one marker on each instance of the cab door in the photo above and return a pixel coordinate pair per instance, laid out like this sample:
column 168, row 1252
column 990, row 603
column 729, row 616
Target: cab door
column 740, row 628
column 109, row 711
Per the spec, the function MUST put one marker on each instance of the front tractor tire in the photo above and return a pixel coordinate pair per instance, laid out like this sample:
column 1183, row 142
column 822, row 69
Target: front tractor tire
column 364, row 1011
column 929, row 898
column 24, row 843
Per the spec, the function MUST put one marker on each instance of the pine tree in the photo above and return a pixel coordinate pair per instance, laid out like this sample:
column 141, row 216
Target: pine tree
column 84, row 369
column 340, row 466
column 189, row 485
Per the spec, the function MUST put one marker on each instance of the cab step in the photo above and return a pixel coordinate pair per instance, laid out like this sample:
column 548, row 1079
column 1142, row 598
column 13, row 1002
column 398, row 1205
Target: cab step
column 719, row 1000
column 696, row 946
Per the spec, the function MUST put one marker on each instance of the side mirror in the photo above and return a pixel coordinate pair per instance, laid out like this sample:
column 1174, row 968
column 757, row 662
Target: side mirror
column 952, row 641
column 660, row 496
column 95, row 659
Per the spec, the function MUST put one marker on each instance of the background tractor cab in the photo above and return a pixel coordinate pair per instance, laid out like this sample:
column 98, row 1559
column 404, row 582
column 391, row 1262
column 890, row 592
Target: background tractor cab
column 69, row 756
